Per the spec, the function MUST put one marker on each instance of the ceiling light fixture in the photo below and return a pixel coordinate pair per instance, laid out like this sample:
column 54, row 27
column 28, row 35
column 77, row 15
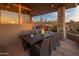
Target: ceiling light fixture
column 52, row 5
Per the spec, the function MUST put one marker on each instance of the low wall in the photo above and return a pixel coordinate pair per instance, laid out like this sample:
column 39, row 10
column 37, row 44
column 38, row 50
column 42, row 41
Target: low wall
column 72, row 36
column 9, row 33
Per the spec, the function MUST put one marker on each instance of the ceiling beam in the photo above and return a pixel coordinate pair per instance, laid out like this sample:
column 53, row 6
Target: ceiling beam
column 25, row 8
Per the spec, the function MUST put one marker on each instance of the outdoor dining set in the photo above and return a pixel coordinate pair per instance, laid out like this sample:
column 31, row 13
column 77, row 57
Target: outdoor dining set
column 39, row 44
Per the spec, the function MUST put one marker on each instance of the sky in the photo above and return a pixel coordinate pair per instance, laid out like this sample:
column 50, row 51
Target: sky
column 70, row 14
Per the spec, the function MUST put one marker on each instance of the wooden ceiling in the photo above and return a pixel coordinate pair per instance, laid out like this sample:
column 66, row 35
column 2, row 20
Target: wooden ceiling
column 11, row 7
column 38, row 8
column 43, row 8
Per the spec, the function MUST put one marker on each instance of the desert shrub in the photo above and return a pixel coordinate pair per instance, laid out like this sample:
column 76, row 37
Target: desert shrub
column 54, row 29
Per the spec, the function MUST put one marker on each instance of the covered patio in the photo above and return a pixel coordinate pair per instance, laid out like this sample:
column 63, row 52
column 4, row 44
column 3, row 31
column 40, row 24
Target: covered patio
column 67, row 46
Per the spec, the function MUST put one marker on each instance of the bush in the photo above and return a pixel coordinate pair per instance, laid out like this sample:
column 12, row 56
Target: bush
column 54, row 29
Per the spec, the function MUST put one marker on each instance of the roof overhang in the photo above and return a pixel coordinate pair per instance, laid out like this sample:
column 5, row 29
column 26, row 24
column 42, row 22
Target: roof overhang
column 35, row 9
column 43, row 8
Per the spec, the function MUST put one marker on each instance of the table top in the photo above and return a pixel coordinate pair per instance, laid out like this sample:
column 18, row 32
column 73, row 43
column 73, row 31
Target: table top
column 36, row 37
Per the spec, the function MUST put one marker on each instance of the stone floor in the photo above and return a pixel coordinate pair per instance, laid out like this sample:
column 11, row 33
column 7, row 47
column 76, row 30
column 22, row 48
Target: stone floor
column 67, row 48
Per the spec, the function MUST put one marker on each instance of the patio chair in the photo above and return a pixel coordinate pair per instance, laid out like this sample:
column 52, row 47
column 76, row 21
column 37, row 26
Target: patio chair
column 41, row 49
column 55, row 42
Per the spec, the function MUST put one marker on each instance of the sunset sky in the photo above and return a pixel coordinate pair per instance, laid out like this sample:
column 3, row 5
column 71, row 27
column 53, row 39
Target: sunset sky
column 70, row 14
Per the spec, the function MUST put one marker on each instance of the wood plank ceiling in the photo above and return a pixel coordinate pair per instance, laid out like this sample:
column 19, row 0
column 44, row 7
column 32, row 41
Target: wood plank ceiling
column 43, row 8
column 38, row 8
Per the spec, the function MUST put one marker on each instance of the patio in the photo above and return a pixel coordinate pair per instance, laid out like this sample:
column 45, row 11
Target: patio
column 11, row 42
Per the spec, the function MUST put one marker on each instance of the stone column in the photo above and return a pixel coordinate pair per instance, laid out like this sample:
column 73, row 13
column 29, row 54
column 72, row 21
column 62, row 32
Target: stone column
column 61, row 23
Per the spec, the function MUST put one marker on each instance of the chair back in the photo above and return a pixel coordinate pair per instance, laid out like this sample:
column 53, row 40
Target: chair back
column 45, row 47
column 55, row 42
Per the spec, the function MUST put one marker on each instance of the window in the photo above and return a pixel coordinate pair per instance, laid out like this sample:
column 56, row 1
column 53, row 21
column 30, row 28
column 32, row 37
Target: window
column 8, row 17
column 26, row 18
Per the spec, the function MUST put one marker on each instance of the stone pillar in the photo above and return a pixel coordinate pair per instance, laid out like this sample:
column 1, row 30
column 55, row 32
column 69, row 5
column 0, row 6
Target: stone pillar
column 61, row 23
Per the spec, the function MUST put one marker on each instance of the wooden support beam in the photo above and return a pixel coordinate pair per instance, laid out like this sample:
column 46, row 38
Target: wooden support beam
column 30, row 19
column 61, row 22
column 26, row 8
column 75, row 4
column 19, row 15
column 0, row 16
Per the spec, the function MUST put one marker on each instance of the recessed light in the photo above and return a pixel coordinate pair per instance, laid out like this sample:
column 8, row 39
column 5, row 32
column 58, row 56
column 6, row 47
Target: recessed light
column 8, row 6
column 52, row 5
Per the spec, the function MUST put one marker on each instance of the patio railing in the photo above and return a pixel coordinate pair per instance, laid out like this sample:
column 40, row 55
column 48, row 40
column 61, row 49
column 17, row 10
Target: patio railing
column 72, row 36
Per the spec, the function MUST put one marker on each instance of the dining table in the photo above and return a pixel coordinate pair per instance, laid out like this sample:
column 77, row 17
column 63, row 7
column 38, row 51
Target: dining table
column 30, row 39
column 33, row 38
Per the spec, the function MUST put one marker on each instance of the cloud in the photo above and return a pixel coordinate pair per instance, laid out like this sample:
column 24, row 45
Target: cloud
column 72, row 14
column 75, row 15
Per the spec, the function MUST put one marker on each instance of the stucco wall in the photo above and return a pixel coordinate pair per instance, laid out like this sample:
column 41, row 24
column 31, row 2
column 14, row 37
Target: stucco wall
column 9, row 33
